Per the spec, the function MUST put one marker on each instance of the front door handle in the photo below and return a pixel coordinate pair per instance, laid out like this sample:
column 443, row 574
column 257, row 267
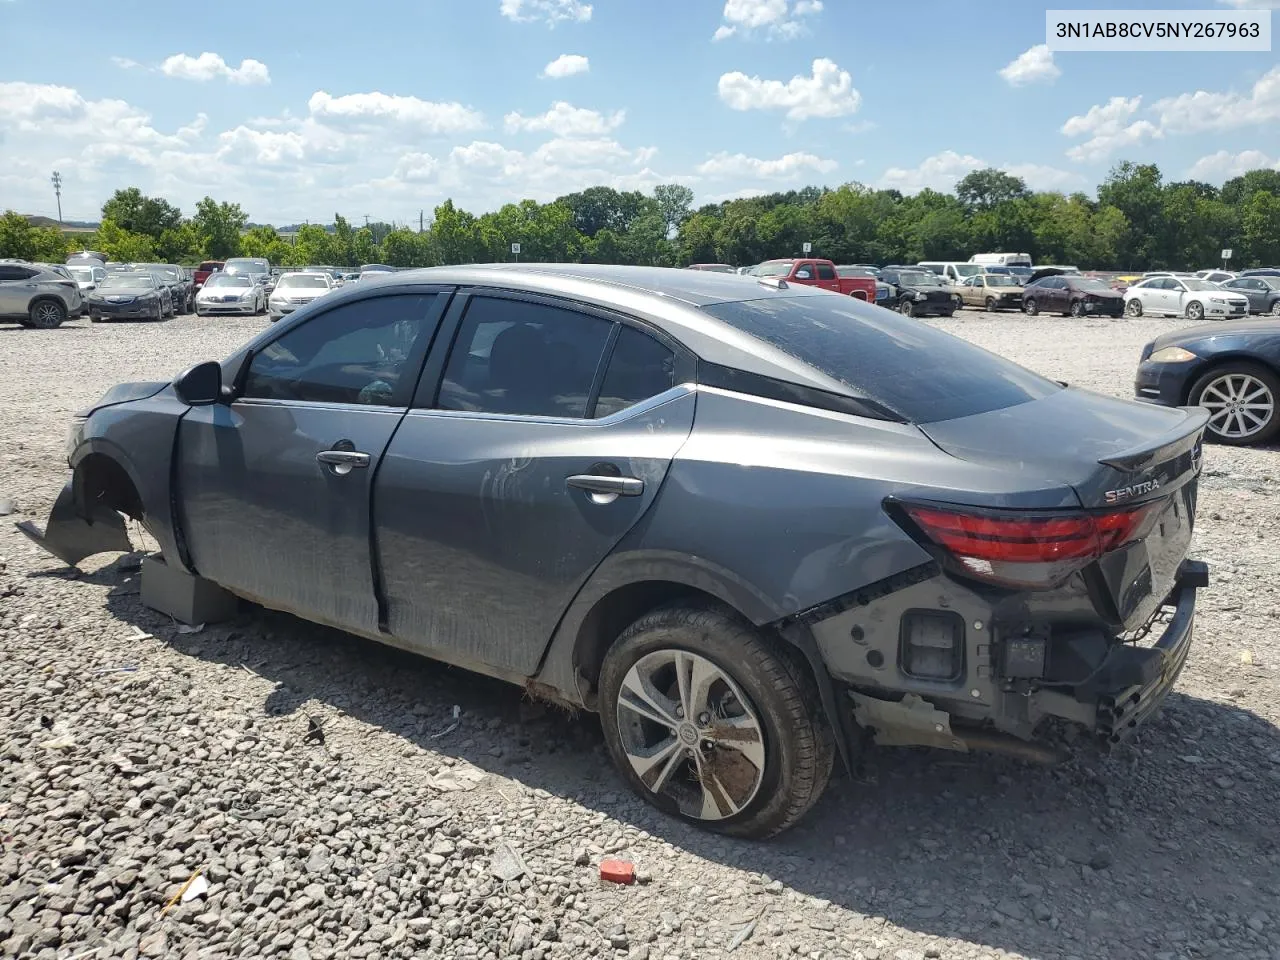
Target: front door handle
column 606, row 489
column 342, row 462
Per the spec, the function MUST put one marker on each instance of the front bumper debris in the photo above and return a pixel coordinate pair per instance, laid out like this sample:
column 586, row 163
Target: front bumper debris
column 71, row 537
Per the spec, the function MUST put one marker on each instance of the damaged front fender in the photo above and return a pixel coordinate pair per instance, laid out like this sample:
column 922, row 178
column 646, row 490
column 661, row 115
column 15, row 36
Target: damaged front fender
column 71, row 537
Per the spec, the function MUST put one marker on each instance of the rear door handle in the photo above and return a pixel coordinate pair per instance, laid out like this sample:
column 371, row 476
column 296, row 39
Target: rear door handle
column 601, row 487
column 342, row 462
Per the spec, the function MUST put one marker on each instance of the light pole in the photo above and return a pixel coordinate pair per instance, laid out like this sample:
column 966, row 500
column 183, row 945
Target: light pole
column 56, row 179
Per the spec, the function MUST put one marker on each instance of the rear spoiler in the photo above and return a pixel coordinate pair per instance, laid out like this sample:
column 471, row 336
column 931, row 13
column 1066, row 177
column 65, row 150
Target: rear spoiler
column 1174, row 443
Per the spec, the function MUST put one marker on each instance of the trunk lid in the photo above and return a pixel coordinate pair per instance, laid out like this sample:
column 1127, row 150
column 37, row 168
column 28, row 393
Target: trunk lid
column 1114, row 454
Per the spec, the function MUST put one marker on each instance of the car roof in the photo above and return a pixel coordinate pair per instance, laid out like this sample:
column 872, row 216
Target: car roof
column 667, row 297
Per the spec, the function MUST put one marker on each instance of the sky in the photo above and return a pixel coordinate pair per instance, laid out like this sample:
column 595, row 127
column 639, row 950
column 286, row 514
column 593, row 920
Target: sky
column 297, row 110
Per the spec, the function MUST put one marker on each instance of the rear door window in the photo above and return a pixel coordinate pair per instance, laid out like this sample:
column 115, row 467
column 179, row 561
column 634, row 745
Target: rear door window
column 882, row 357
column 639, row 368
column 826, row 272
column 524, row 358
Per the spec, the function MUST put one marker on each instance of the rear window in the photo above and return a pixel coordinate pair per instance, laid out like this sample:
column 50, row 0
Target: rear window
column 921, row 374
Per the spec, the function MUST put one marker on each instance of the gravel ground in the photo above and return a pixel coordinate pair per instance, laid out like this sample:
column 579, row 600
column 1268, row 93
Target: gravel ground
column 133, row 754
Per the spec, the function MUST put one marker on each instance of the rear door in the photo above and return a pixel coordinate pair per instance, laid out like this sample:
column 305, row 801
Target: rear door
column 827, row 277
column 275, row 488
column 16, row 289
column 552, row 431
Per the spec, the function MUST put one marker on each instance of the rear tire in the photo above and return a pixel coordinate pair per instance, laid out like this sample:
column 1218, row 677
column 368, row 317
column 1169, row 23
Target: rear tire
column 46, row 315
column 1256, row 392
column 1031, row 308
column 674, row 661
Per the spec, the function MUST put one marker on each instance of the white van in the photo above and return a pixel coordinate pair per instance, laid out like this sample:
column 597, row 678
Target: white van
column 1002, row 259
column 952, row 271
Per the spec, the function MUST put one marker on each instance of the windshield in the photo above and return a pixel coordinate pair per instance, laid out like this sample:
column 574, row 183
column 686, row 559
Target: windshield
column 82, row 273
column 1089, row 283
column 918, row 279
column 880, row 355
column 132, row 281
column 223, row 280
column 778, row 268
column 1193, row 284
column 1001, row 280
column 303, row 280
column 968, row 269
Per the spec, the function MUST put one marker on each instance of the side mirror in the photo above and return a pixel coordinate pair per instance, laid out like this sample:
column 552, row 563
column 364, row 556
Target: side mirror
column 200, row 385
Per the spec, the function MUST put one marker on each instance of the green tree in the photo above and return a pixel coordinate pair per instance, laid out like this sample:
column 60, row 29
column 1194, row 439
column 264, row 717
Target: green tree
column 984, row 189
column 137, row 213
column 16, row 239
column 313, row 244
column 219, row 226
column 181, row 244
column 675, row 201
column 1239, row 190
column 120, row 244
column 404, row 248
column 1260, row 228
column 1136, row 191
column 455, row 236
column 264, row 241
column 363, row 248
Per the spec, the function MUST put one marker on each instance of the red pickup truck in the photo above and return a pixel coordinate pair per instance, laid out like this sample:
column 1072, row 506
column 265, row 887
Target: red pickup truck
column 203, row 271
column 819, row 273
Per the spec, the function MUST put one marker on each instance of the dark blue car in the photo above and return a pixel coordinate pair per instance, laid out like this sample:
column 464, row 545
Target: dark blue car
column 1231, row 369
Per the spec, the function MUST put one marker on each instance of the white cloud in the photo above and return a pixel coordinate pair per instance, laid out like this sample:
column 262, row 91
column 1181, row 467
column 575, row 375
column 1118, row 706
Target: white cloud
column 550, row 12
column 380, row 108
column 724, row 165
column 939, row 172
column 416, row 167
column 580, row 153
column 1038, row 176
column 124, row 63
column 778, row 18
column 210, row 66
column 828, row 92
column 942, row 171
column 1109, row 127
column 1200, row 111
column 1224, row 165
column 566, row 65
column 1031, row 66
column 566, row 120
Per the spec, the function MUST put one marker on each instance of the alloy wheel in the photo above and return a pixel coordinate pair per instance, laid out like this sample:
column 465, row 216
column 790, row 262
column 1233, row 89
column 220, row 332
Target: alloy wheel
column 1134, row 307
column 1195, row 310
column 47, row 315
column 691, row 734
column 1239, row 405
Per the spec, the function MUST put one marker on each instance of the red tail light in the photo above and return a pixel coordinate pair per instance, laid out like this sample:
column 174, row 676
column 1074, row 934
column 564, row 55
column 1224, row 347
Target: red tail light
column 1029, row 549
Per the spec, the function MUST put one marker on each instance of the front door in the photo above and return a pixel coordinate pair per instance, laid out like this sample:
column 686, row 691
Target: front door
column 275, row 487
column 550, row 437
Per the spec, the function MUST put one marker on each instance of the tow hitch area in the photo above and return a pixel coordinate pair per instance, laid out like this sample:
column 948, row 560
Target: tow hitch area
column 70, row 537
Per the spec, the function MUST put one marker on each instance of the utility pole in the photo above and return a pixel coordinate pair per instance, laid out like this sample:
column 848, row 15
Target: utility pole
column 366, row 221
column 421, row 214
column 57, row 190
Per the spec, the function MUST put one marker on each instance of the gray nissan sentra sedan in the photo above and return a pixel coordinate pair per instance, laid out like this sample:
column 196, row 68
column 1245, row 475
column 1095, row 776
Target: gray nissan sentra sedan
column 753, row 526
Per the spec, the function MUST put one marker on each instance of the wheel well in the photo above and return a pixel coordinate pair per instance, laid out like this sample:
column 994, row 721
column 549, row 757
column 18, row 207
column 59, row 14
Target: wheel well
column 1222, row 361
column 859, row 295
column 46, row 297
column 616, row 611
column 100, row 479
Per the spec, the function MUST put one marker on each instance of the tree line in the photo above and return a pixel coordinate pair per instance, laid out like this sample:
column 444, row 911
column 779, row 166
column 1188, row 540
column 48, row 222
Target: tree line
column 1137, row 222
